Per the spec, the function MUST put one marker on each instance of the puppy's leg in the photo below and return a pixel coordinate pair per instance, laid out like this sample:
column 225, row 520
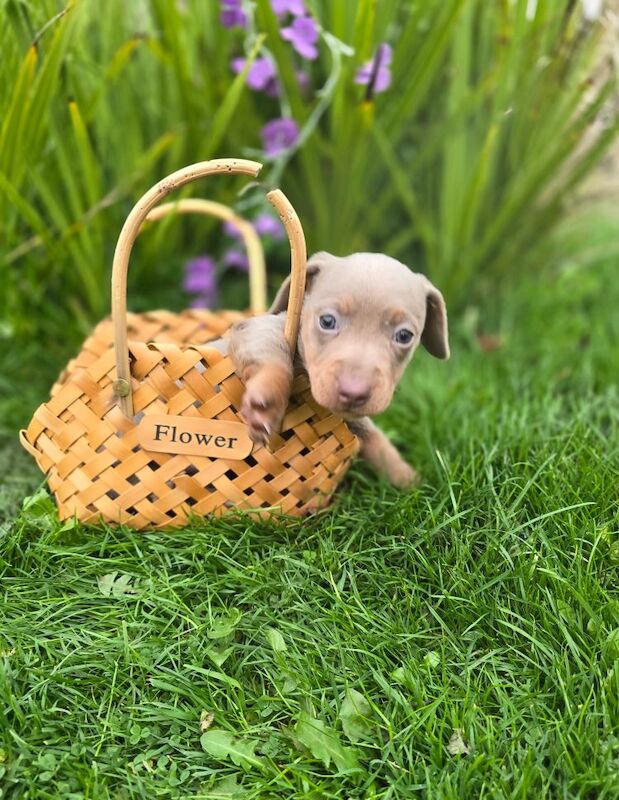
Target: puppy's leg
column 378, row 451
column 262, row 358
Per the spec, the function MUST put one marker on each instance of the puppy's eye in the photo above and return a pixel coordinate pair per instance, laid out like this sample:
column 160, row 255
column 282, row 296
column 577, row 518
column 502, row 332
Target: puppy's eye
column 327, row 322
column 403, row 336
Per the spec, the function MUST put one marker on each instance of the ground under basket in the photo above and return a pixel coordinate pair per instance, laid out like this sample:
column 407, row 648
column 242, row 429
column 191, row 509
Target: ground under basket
column 143, row 426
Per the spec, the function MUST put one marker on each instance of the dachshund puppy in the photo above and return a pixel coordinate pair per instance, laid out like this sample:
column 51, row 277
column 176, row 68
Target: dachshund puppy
column 363, row 318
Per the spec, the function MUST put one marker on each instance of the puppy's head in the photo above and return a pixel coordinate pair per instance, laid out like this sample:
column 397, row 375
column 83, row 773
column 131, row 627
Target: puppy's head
column 363, row 318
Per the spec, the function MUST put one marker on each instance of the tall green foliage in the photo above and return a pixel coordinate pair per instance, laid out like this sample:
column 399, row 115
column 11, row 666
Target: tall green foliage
column 460, row 168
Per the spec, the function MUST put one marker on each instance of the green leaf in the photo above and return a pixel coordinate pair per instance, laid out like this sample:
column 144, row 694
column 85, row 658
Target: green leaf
column 47, row 761
column 324, row 743
column 432, row 659
column 566, row 612
column 457, row 746
column 401, row 676
column 38, row 504
column 219, row 655
column 223, row 747
column 226, row 789
column 610, row 648
column 287, row 681
column 354, row 713
column 112, row 586
column 224, row 624
column 276, row 640
column 90, row 169
column 40, row 510
column 16, row 114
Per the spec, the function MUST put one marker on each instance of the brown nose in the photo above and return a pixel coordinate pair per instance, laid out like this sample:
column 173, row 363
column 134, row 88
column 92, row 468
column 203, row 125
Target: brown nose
column 353, row 390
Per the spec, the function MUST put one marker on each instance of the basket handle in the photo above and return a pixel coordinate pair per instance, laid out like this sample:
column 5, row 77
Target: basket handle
column 251, row 241
column 137, row 215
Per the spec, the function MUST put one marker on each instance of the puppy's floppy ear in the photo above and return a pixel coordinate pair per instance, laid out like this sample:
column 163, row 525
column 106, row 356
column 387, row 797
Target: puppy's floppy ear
column 435, row 337
column 313, row 268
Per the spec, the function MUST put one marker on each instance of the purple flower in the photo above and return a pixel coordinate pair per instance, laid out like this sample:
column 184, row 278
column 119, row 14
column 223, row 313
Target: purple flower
column 376, row 74
column 230, row 229
column 200, row 276
column 279, row 135
column 236, row 259
column 267, row 225
column 262, row 75
column 231, row 14
column 303, row 79
column 294, row 7
column 204, row 301
column 302, row 35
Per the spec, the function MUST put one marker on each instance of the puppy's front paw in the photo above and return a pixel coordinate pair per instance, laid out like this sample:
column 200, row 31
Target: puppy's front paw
column 402, row 475
column 262, row 415
column 264, row 404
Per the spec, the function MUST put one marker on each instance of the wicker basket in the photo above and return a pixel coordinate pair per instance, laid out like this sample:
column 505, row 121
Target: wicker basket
column 143, row 426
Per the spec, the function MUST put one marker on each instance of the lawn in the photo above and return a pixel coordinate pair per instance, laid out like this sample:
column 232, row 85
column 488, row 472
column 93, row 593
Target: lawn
column 458, row 641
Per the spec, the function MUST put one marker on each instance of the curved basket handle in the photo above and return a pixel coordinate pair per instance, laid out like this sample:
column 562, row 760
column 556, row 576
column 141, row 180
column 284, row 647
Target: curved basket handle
column 251, row 240
column 137, row 215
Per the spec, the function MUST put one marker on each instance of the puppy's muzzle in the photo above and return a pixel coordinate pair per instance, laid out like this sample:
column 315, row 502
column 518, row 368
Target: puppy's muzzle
column 353, row 391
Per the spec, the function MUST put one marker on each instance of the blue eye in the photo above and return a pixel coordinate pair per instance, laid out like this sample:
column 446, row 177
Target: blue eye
column 403, row 336
column 327, row 322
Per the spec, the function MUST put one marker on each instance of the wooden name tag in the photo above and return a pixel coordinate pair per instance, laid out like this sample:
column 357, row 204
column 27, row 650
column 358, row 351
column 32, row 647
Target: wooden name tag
column 194, row 436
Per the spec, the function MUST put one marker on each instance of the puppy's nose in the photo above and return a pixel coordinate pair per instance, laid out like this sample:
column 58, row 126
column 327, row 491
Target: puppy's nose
column 353, row 390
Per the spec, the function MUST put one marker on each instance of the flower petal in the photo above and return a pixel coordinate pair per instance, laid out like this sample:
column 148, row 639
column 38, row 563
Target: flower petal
column 279, row 135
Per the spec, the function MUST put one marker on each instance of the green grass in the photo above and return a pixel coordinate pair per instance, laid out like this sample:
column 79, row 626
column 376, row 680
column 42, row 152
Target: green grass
column 340, row 655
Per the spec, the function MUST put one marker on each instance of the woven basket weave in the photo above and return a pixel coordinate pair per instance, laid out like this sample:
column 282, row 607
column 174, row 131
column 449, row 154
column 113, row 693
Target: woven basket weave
column 108, row 437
